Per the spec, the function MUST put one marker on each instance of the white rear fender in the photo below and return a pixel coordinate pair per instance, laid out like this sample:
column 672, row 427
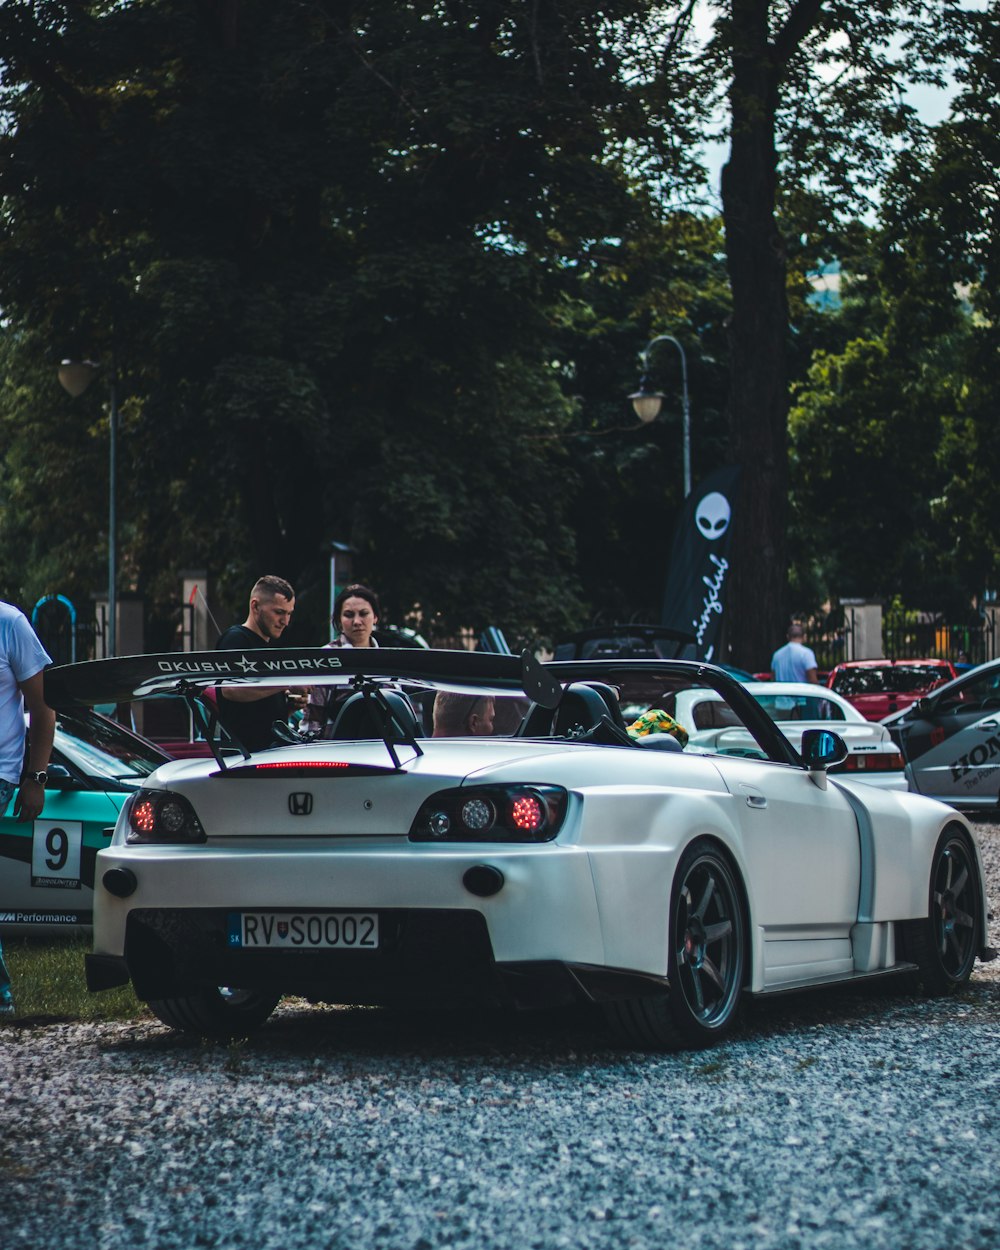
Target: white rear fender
column 632, row 883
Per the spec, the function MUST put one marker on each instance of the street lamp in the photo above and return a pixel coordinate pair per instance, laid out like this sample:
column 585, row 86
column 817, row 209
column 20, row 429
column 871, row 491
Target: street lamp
column 647, row 402
column 75, row 376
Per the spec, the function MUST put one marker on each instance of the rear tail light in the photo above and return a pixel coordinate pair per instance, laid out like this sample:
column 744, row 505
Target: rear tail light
column 158, row 816
column 876, row 762
column 491, row 814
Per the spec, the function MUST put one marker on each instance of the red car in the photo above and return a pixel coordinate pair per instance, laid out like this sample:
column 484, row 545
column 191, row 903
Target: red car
column 878, row 688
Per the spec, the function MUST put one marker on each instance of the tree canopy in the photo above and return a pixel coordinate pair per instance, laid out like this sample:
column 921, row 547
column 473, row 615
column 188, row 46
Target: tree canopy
column 325, row 247
column 379, row 273
column 894, row 450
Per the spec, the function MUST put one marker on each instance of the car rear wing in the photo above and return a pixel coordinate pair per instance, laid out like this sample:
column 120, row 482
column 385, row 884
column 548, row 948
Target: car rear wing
column 139, row 677
column 370, row 670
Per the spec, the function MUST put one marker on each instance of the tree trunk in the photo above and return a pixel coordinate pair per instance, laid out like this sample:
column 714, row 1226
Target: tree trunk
column 758, row 399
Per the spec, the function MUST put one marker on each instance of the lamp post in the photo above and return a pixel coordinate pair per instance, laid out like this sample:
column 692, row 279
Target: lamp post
column 647, row 403
column 75, row 376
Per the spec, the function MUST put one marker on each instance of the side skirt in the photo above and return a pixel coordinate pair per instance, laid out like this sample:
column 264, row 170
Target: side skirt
column 852, row 978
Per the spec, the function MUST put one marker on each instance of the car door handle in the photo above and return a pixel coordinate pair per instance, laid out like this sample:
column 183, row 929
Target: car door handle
column 989, row 724
column 754, row 798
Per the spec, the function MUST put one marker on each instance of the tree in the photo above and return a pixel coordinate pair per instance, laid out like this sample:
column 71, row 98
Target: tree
column 866, row 432
column 959, row 195
column 669, row 275
column 814, row 92
column 327, row 245
column 894, row 449
column 352, row 261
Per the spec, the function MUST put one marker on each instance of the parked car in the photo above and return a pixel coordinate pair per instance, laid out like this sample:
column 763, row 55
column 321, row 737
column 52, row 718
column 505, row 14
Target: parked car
column 568, row 863
column 950, row 740
column 877, row 688
column 796, row 708
column 634, row 642
column 47, row 865
column 623, row 642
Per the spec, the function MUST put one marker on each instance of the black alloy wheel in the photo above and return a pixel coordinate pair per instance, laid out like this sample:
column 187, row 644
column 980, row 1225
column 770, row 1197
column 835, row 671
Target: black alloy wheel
column 707, row 960
column 945, row 945
column 709, row 949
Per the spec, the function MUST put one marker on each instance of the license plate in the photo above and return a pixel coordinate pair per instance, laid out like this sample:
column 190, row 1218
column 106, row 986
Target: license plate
column 297, row 930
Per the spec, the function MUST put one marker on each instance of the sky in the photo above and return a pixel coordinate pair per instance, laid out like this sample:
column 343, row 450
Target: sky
column 932, row 103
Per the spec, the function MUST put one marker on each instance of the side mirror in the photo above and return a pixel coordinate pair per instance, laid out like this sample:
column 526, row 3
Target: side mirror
column 924, row 706
column 822, row 749
column 60, row 778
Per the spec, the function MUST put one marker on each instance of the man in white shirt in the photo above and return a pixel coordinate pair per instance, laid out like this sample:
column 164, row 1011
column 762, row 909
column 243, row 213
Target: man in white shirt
column 794, row 661
column 22, row 659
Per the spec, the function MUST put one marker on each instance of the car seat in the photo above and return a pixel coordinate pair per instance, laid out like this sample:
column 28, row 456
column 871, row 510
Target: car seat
column 362, row 716
column 583, row 706
column 611, row 704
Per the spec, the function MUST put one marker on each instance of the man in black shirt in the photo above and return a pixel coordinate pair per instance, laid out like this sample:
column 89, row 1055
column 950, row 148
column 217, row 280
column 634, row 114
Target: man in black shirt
column 248, row 712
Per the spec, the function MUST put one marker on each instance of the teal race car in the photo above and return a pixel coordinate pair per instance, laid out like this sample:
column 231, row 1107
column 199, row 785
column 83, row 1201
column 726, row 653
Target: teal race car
column 47, row 865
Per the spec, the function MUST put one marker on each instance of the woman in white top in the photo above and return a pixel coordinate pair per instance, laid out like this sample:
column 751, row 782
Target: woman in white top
column 355, row 615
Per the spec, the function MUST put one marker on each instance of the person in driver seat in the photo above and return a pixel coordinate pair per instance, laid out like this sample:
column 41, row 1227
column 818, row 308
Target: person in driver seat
column 463, row 715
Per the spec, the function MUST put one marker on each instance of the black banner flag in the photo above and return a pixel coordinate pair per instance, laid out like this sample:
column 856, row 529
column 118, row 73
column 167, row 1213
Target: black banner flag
column 699, row 562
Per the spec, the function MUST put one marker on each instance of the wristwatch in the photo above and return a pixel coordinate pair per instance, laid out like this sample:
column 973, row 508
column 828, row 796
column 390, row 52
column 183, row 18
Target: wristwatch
column 39, row 778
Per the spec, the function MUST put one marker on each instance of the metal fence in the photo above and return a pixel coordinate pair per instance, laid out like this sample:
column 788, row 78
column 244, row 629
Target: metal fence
column 905, row 636
column 912, row 636
column 829, row 635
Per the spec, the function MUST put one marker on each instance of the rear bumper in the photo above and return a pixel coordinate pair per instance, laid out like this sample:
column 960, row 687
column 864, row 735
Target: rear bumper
column 546, row 906
column 426, row 958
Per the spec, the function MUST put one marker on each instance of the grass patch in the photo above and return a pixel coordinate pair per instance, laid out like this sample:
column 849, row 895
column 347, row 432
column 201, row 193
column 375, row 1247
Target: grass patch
column 48, row 982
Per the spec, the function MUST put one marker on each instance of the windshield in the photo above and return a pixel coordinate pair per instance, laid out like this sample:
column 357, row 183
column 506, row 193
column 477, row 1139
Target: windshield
column 854, row 681
column 897, row 678
column 104, row 750
column 800, row 707
column 910, row 678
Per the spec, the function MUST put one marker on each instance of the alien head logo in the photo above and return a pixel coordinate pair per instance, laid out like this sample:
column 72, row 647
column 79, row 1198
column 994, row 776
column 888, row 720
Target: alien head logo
column 712, row 514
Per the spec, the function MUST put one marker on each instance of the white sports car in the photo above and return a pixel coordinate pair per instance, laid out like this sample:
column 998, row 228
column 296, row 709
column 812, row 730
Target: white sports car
column 795, row 707
column 565, row 863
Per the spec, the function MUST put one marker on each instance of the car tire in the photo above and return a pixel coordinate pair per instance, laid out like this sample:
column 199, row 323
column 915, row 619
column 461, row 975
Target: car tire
column 944, row 945
column 223, row 1013
column 707, row 960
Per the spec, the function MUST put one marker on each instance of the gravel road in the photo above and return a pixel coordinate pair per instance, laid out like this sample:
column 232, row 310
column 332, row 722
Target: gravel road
column 844, row 1119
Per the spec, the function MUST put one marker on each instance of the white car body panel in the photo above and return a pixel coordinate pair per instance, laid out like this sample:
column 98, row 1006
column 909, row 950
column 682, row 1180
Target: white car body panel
column 547, row 909
column 824, row 868
column 597, row 895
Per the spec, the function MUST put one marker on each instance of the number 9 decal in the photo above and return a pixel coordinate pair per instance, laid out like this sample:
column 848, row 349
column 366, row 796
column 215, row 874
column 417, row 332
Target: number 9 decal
column 57, row 845
column 55, row 854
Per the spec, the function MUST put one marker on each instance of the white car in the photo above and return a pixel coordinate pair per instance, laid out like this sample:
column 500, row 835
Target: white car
column 567, row 863
column 795, row 707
